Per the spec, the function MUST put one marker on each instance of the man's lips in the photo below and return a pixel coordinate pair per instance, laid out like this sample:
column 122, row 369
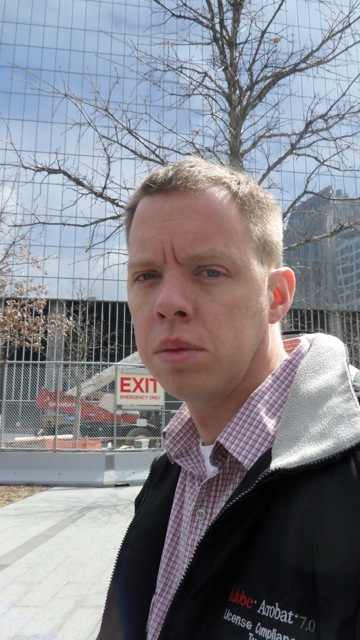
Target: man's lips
column 176, row 344
column 176, row 350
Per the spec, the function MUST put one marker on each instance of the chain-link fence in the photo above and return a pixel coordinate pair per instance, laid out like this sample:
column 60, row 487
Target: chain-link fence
column 56, row 406
column 72, row 406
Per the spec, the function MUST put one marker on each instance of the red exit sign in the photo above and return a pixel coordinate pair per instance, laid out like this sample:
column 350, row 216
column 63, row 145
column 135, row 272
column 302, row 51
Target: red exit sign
column 139, row 389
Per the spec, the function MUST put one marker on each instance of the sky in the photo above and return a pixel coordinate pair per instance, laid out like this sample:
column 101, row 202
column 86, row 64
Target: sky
column 79, row 45
column 43, row 44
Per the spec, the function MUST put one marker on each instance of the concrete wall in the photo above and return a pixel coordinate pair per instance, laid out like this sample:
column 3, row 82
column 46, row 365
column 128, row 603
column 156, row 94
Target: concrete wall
column 76, row 469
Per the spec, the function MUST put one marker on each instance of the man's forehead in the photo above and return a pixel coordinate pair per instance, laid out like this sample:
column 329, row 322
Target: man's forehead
column 191, row 224
column 190, row 255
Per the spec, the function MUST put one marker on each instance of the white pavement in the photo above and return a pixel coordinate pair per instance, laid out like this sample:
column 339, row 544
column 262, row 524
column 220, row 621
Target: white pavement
column 57, row 552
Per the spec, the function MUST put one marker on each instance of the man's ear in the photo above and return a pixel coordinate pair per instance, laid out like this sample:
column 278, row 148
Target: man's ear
column 281, row 291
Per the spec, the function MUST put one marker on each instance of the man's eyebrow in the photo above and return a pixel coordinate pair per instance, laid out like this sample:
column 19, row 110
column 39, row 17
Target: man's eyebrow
column 191, row 257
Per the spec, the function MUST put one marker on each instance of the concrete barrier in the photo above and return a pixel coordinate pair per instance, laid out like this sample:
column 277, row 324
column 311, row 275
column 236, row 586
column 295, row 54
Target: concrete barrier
column 100, row 468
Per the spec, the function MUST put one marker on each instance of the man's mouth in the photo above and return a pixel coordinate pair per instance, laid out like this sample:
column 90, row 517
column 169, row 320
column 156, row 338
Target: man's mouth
column 176, row 350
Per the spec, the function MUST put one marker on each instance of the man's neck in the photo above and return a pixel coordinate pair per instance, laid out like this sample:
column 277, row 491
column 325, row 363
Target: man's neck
column 210, row 420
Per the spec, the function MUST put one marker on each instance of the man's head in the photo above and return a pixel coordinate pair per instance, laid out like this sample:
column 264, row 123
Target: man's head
column 205, row 284
column 258, row 208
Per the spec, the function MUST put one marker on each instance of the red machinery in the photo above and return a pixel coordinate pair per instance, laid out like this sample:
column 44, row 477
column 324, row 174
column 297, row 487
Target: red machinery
column 89, row 411
column 96, row 418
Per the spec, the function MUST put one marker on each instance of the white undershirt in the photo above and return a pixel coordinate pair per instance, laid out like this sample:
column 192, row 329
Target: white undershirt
column 206, row 451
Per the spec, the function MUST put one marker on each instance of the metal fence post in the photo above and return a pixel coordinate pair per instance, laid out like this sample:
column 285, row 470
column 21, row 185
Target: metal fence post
column 3, row 400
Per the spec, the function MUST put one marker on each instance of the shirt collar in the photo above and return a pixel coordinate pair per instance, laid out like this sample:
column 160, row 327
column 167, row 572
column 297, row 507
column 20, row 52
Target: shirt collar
column 252, row 429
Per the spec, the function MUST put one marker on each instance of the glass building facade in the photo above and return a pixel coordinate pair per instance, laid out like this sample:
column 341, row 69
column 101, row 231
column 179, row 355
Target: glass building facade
column 79, row 87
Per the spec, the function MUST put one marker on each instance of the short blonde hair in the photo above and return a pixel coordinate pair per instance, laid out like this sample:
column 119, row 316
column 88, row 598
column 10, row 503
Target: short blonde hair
column 261, row 213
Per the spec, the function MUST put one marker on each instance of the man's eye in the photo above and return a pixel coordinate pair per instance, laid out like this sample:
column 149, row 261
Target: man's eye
column 212, row 273
column 145, row 276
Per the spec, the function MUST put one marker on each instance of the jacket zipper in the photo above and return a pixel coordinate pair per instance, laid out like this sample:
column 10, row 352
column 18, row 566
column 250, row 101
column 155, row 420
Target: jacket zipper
column 263, row 477
column 224, row 509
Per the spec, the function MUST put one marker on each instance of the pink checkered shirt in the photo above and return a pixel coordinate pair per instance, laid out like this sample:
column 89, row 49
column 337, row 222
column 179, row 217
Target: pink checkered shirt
column 198, row 498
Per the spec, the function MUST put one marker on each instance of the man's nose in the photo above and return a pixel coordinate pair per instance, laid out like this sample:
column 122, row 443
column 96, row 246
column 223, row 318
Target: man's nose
column 173, row 299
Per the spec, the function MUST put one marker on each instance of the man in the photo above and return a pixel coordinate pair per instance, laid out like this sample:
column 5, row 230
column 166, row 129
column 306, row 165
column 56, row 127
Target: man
column 248, row 526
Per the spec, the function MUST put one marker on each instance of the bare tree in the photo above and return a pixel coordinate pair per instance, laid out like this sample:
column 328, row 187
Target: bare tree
column 24, row 322
column 23, row 319
column 233, row 66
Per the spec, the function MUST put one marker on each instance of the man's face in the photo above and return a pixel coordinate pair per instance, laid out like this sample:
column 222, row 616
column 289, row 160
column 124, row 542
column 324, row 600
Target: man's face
column 198, row 296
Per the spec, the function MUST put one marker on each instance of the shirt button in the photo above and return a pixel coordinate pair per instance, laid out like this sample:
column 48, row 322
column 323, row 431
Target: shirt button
column 200, row 514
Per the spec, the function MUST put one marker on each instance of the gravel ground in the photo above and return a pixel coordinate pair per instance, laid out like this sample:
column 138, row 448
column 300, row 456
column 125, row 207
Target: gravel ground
column 12, row 493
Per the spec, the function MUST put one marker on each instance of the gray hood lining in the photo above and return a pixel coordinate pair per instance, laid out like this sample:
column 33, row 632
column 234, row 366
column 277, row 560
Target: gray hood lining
column 322, row 413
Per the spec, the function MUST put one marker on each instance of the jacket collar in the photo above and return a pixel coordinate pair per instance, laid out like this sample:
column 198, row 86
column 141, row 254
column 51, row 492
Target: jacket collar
column 322, row 414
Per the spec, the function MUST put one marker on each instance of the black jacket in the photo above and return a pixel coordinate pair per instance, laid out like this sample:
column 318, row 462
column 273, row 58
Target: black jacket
column 282, row 559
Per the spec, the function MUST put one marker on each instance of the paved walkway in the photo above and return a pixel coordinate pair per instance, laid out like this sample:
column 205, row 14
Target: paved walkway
column 57, row 551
